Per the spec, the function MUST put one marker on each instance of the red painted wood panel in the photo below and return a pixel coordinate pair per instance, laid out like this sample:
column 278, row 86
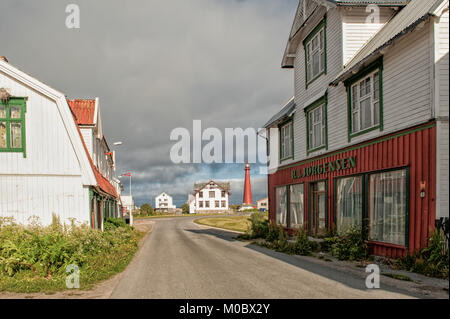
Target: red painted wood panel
column 414, row 148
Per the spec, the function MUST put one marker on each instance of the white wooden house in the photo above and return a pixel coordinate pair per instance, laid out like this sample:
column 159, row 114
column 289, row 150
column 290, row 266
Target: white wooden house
column 164, row 202
column 364, row 140
column 52, row 160
column 210, row 197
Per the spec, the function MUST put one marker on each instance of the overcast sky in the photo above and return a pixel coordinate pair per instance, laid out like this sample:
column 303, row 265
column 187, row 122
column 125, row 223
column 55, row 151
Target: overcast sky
column 157, row 65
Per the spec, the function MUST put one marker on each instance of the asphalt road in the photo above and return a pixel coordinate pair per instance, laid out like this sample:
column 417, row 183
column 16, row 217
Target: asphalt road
column 180, row 259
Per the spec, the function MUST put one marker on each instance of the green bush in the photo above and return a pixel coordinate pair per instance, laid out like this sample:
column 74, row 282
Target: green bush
column 273, row 233
column 45, row 252
column 351, row 245
column 302, row 245
column 259, row 225
column 431, row 261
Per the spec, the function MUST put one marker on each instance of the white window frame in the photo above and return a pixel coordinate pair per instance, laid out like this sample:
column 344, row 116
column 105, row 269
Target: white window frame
column 286, row 147
column 357, row 97
column 311, row 50
column 313, row 122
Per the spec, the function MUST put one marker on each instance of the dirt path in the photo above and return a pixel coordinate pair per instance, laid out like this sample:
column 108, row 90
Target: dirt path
column 102, row 290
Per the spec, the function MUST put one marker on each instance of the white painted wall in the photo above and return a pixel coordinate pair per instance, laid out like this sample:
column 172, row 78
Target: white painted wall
column 49, row 179
column 164, row 201
column 211, row 199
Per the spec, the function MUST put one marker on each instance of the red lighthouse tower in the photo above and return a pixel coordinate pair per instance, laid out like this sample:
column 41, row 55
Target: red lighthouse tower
column 248, row 202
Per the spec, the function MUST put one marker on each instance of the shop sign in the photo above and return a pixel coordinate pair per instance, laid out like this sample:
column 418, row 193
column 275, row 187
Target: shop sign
column 326, row 167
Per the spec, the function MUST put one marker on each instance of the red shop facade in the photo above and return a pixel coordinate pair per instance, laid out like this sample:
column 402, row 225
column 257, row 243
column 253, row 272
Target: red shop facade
column 387, row 184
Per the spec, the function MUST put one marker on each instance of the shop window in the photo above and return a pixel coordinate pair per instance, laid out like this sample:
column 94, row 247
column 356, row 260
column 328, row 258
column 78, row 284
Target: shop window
column 297, row 207
column 12, row 125
column 349, row 203
column 315, row 53
column 388, row 207
column 281, row 206
column 286, row 140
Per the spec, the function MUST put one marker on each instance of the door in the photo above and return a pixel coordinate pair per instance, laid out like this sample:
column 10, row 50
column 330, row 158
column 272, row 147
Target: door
column 318, row 213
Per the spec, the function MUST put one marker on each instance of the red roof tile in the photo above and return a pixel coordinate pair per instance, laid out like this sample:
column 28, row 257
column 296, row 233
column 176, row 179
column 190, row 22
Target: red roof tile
column 84, row 111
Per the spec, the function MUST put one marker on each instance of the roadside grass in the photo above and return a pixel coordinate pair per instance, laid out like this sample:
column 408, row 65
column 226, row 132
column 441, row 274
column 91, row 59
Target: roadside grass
column 109, row 253
column 236, row 223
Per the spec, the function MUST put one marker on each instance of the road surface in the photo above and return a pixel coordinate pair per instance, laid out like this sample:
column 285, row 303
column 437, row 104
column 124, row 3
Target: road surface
column 181, row 259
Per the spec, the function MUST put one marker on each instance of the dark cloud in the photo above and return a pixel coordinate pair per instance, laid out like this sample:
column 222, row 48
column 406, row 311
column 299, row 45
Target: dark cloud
column 157, row 65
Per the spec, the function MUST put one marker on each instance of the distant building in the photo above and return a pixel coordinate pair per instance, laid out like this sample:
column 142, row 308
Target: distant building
column 262, row 204
column 210, row 197
column 164, row 202
column 191, row 203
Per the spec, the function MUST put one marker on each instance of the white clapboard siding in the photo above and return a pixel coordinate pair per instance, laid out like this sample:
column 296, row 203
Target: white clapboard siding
column 442, row 65
column 88, row 139
column 49, row 179
column 24, row 196
column 356, row 30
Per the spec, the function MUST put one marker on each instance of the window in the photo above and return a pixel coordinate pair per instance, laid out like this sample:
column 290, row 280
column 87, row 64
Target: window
column 200, row 204
column 297, row 206
column 315, row 53
column 349, row 202
column 217, row 204
column 223, row 193
column 207, row 204
column 365, row 100
column 281, row 205
column 316, row 125
column 212, row 194
column 200, row 195
column 12, row 125
column 286, row 141
column 388, row 207
column 224, row 204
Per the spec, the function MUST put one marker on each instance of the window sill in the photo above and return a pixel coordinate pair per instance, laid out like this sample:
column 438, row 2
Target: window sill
column 389, row 245
column 286, row 159
column 367, row 130
column 315, row 78
column 308, row 152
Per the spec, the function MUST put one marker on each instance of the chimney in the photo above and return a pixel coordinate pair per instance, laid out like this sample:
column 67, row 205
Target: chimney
column 3, row 58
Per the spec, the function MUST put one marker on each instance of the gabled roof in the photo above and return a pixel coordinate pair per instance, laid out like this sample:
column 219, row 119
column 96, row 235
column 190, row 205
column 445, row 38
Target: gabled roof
column 225, row 186
column 300, row 23
column 401, row 24
column 88, row 176
column 84, row 111
column 283, row 114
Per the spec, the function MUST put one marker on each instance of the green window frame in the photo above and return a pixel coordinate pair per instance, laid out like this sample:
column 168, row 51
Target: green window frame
column 317, row 36
column 365, row 86
column 12, row 125
column 282, row 139
column 310, row 114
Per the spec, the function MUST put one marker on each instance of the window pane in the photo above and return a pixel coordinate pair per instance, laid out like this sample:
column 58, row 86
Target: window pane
column 2, row 111
column 376, row 113
column 355, row 122
column 376, row 86
column 368, row 87
column 321, row 39
column 315, row 64
column 322, row 61
column 317, row 135
column 280, row 206
column 297, row 205
column 348, row 203
column 2, row 135
column 16, row 135
column 15, row 112
column 387, row 200
column 366, row 114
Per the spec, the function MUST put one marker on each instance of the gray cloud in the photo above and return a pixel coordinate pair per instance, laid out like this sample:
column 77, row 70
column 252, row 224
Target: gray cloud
column 157, row 65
